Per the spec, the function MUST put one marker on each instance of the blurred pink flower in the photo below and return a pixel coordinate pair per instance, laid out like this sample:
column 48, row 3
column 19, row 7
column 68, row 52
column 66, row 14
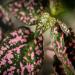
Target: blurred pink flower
column 27, row 18
column 10, row 61
column 38, row 52
column 22, row 68
column 14, row 33
column 5, row 73
column 17, row 39
column 27, row 32
column 3, row 48
column 30, row 67
column 3, row 62
column 32, row 55
column 11, row 68
column 39, row 61
column 10, row 73
column 20, row 31
column 17, row 49
column 24, row 21
column 37, row 47
column 1, row 52
column 9, row 56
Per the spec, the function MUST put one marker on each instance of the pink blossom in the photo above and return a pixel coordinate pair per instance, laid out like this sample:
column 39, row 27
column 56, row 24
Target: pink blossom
column 15, row 9
column 11, row 68
column 18, row 48
column 36, row 47
column 10, row 51
column 27, row 32
column 16, row 4
column 38, row 52
column 19, row 5
column 38, row 62
column 1, row 52
column 10, row 61
column 27, row 18
column 14, row 33
column 29, row 67
column 3, row 62
column 19, row 31
column 13, row 12
column 15, row 40
column 23, row 40
column 9, row 56
column 22, row 68
column 10, row 73
column 24, row 21
column 32, row 55
column 19, row 38
column 4, row 73
column 3, row 48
